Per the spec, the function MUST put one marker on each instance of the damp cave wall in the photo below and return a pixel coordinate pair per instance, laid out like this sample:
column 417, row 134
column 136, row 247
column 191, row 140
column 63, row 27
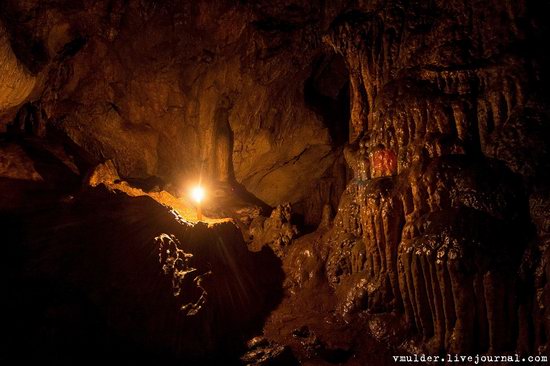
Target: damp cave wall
column 449, row 137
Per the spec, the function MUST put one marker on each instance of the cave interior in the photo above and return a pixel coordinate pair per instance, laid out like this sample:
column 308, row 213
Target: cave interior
column 285, row 182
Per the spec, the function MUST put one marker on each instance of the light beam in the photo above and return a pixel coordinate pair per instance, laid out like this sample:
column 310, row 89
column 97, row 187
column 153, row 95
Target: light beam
column 197, row 193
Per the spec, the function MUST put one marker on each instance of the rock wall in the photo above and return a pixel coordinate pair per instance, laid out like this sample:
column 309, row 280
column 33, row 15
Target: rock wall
column 16, row 82
column 179, row 90
column 445, row 221
column 446, row 103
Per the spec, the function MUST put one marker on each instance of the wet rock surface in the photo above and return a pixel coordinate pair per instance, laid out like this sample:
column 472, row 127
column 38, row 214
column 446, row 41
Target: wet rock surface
column 436, row 221
column 264, row 352
column 277, row 231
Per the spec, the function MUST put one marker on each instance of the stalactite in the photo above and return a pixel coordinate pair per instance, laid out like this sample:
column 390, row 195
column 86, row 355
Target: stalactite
column 425, row 113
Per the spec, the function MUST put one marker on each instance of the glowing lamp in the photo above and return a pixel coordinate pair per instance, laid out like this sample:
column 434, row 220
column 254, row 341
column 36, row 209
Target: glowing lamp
column 197, row 194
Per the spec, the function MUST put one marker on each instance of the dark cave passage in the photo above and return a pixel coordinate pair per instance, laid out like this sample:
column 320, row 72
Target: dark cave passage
column 326, row 91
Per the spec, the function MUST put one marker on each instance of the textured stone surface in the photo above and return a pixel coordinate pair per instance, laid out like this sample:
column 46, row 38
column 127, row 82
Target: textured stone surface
column 445, row 106
column 16, row 82
column 277, row 231
column 16, row 164
column 417, row 134
column 182, row 90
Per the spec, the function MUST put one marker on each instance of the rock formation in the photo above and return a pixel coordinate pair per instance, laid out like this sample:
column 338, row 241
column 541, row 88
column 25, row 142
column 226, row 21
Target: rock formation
column 438, row 91
column 16, row 81
column 385, row 162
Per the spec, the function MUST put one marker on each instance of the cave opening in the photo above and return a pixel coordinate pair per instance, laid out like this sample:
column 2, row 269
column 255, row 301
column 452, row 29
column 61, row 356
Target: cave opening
column 326, row 92
column 374, row 181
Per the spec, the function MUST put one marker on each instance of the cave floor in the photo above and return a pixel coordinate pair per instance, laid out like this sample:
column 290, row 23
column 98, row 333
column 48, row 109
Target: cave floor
column 307, row 321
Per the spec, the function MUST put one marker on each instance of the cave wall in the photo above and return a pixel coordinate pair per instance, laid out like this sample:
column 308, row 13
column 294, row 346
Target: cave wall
column 447, row 98
column 16, row 82
column 180, row 89
column 445, row 221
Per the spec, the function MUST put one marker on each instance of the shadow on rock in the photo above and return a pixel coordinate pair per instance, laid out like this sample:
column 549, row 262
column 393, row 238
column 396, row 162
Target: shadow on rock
column 89, row 282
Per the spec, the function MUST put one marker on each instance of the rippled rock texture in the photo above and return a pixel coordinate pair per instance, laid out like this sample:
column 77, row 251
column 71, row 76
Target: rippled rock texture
column 436, row 223
column 16, row 81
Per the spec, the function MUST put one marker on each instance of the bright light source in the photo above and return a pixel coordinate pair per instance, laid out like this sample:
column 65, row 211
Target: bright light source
column 197, row 193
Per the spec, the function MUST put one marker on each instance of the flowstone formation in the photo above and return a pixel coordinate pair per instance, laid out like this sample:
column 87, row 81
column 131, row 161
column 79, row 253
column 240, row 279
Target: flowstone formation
column 449, row 143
